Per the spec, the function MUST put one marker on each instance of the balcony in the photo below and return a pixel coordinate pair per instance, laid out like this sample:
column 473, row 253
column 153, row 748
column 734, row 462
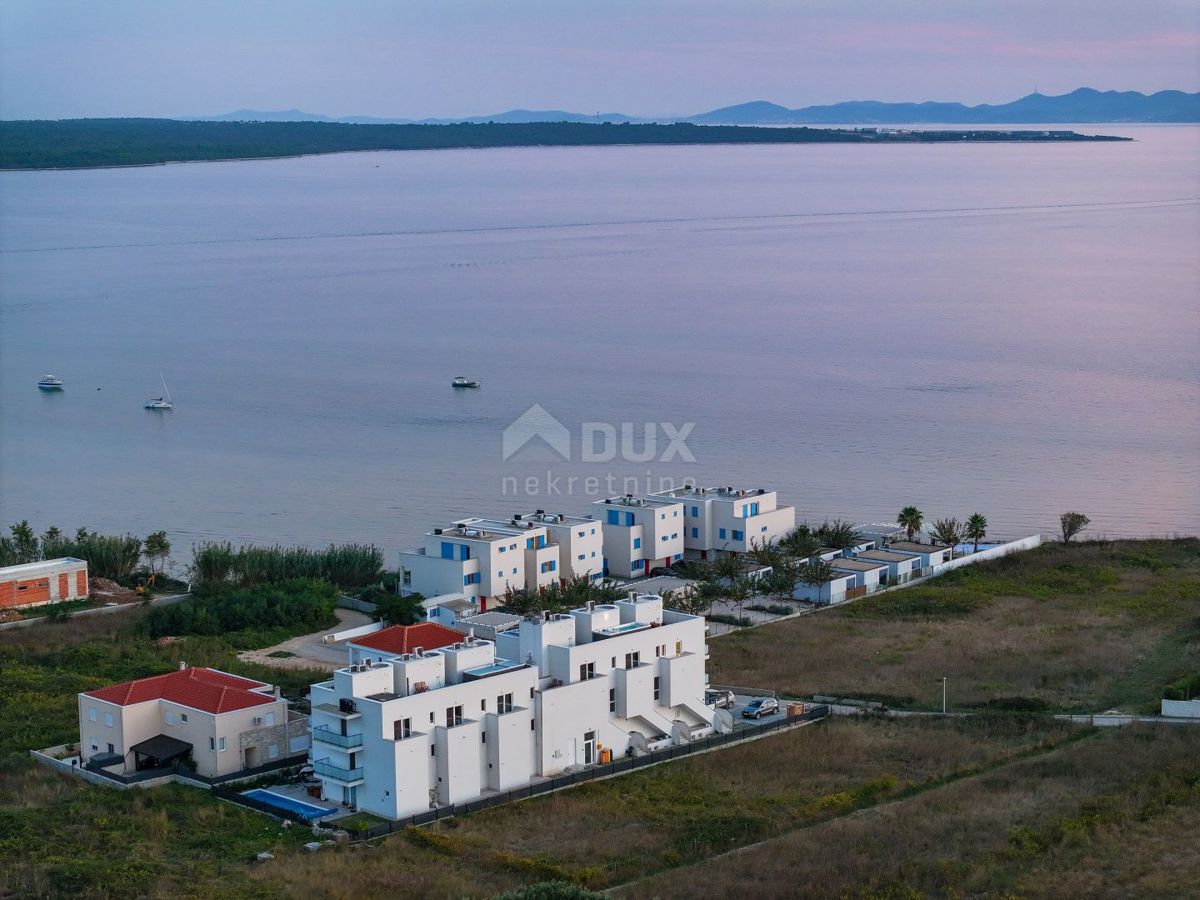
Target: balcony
column 328, row 736
column 346, row 776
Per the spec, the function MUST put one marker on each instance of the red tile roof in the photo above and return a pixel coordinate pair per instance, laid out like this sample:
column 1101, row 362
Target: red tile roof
column 406, row 638
column 203, row 689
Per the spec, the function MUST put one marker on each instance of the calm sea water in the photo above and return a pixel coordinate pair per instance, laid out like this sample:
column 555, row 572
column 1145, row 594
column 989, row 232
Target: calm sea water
column 1002, row 328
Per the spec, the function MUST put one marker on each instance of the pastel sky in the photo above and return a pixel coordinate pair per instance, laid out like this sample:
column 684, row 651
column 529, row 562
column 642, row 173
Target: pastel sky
column 417, row 58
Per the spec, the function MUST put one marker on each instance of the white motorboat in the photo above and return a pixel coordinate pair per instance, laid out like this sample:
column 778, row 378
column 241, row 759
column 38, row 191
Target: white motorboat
column 463, row 382
column 50, row 383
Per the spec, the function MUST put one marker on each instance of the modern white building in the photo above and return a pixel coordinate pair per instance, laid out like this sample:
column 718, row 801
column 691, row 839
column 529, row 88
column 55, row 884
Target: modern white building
column 722, row 520
column 580, row 543
column 899, row 565
column 482, row 559
column 640, row 533
column 404, row 734
column 930, row 555
column 867, row 574
column 834, row 590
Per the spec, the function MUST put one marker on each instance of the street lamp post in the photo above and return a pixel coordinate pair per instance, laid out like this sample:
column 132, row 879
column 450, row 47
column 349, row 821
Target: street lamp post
column 943, row 695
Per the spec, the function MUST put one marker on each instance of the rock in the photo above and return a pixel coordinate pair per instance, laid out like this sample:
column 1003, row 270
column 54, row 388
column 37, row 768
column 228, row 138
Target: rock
column 312, row 846
column 264, row 856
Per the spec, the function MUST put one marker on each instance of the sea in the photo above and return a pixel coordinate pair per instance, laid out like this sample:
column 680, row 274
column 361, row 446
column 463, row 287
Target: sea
column 1012, row 329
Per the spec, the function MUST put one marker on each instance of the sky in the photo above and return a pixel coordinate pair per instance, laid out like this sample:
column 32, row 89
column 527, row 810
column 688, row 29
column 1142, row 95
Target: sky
column 424, row 58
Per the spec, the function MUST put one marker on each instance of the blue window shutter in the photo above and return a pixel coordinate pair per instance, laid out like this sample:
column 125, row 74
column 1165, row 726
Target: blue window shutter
column 612, row 517
column 447, row 550
column 722, row 533
column 629, row 519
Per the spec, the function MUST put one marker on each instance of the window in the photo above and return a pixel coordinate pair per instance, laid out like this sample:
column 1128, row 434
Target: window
column 504, row 703
column 501, row 548
column 549, row 566
column 612, row 700
column 613, row 517
column 657, row 683
column 679, row 648
column 431, row 718
column 664, row 537
column 763, row 529
column 170, row 718
column 678, row 557
column 183, row 717
column 483, row 705
column 532, row 724
column 500, row 573
column 473, row 578
column 662, row 515
column 221, row 745
column 212, row 743
column 447, row 550
column 629, row 519
column 593, row 531
column 721, row 533
column 614, row 662
column 454, row 716
column 696, row 511
column 433, row 749
column 633, row 660
column 91, row 714
column 108, row 719
column 583, row 555
column 738, row 535
column 674, row 514
column 695, row 532
column 269, row 718
column 581, row 534
column 483, row 737
column 675, row 535
column 401, row 729
column 637, row 543
column 95, row 746
column 272, row 751
column 587, row 671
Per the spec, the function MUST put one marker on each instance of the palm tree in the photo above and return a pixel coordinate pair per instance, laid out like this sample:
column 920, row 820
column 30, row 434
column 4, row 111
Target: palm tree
column 838, row 535
column 801, row 541
column 976, row 529
column 910, row 519
column 948, row 532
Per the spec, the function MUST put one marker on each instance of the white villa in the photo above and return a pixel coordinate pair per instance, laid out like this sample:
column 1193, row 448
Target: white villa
column 580, row 543
column 721, row 520
column 640, row 533
column 402, row 734
column 481, row 559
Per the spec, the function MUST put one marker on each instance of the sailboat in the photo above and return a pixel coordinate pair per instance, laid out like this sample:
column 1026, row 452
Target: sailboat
column 163, row 402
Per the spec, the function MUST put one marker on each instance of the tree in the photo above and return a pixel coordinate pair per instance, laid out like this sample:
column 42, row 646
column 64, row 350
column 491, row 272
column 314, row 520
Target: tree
column 911, row 519
column 815, row 573
column 25, row 542
column 1072, row 523
column 781, row 582
column 801, row 541
column 948, row 532
column 396, row 610
column 54, row 543
column 765, row 553
column 838, row 535
column 976, row 529
column 156, row 549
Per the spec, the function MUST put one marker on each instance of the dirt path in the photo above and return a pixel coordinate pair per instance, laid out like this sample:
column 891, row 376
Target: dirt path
column 309, row 652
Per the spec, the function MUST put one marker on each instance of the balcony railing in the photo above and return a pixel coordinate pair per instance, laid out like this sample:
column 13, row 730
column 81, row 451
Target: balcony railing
column 324, row 767
column 329, row 736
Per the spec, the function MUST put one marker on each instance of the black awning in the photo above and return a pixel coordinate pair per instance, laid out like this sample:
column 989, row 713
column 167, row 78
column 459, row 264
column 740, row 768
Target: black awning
column 162, row 748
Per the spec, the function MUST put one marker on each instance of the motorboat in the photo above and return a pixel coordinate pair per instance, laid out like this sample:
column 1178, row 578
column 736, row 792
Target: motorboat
column 51, row 383
column 463, row 382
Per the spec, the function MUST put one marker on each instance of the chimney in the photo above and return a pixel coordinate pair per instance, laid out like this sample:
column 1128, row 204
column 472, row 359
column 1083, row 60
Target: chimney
column 278, row 695
column 182, row 666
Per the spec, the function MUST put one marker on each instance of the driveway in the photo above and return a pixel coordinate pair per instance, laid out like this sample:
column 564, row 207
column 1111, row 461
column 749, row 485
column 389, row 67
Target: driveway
column 308, row 651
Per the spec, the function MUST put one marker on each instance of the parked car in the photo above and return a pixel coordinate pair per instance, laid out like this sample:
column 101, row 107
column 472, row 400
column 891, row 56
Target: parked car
column 660, row 570
column 759, row 707
column 719, row 699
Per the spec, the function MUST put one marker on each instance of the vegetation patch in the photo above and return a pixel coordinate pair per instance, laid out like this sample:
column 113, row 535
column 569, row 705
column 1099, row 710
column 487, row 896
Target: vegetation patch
column 301, row 606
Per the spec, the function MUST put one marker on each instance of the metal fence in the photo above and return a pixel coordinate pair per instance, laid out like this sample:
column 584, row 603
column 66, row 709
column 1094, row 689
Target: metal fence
column 616, row 767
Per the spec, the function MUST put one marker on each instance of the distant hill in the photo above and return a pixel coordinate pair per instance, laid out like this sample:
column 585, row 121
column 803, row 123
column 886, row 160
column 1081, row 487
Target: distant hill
column 1082, row 105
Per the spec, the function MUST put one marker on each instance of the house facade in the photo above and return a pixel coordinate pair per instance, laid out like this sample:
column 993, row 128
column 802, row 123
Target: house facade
column 481, row 559
column 640, row 533
column 222, row 723
column 580, row 543
column 900, row 566
column 424, row 729
column 722, row 520
column 930, row 555
column 39, row 583
column 866, row 574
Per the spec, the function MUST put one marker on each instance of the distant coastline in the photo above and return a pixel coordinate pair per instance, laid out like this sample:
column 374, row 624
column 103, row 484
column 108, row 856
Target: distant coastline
column 111, row 143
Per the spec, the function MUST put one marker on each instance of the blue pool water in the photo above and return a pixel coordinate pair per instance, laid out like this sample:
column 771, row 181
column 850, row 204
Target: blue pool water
column 307, row 811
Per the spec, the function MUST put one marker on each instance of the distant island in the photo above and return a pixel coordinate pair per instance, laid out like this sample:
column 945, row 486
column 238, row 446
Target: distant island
column 92, row 143
column 1084, row 105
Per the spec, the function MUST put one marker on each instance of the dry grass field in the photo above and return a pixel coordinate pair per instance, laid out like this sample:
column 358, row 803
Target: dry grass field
column 1078, row 628
column 1111, row 816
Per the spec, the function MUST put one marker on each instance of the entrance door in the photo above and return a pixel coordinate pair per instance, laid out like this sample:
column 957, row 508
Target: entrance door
column 251, row 757
column 589, row 748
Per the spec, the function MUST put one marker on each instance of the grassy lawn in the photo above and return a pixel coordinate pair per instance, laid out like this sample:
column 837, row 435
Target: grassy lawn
column 1111, row 816
column 1078, row 628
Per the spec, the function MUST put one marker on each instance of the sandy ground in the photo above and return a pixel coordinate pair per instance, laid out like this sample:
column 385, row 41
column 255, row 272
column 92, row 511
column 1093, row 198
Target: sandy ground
column 309, row 652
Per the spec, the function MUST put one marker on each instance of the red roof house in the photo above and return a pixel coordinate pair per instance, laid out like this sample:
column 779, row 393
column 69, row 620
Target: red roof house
column 397, row 639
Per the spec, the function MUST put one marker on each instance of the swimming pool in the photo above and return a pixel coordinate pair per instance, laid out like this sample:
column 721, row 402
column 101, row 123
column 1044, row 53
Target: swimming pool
column 309, row 812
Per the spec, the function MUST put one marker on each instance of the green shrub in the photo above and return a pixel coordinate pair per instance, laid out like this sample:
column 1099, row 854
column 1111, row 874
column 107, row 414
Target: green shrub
column 346, row 565
column 431, row 840
column 300, row 605
column 739, row 621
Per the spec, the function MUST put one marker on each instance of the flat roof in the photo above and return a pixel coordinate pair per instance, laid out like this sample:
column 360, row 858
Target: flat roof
column 855, row 565
column 884, row 556
column 491, row 619
column 716, row 493
column 637, row 502
column 32, row 568
column 560, row 519
column 912, row 547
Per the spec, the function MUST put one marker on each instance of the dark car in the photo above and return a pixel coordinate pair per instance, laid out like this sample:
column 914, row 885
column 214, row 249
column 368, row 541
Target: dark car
column 759, row 707
column 660, row 570
column 719, row 699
